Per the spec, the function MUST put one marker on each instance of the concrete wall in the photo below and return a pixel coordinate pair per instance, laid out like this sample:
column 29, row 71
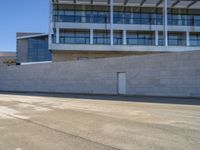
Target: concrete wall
column 172, row 74
column 22, row 50
column 77, row 55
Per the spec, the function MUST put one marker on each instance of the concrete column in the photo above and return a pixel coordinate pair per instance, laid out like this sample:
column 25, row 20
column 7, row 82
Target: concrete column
column 91, row 36
column 187, row 38
column 50, row 21
column 156, row 37
column 124, row 37
column 111, row 22
column 57, row 35
column 165, row 24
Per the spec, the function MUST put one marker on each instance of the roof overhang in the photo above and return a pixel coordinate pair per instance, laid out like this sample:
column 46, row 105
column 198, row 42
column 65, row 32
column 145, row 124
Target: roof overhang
column 193, row 4
column 31, row 36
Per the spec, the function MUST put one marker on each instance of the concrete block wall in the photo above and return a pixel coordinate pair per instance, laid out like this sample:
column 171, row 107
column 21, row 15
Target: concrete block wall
column 171, row 74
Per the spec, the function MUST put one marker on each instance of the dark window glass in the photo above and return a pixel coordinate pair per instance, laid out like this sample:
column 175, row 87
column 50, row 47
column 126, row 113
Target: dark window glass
column 74, row 37
column 137, row 38
column 118, row 38
column 38, row 50
column 101, row 37
column 195, row 39
column 124, row 17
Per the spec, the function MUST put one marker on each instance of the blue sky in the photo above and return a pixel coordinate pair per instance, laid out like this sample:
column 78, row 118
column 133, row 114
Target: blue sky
column 21, row 16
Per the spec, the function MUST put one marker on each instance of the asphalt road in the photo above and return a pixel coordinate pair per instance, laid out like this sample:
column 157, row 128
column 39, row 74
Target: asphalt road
column 80, row 122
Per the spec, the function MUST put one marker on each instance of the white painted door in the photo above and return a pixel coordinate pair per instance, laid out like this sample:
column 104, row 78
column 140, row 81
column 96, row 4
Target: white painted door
column 121, row 77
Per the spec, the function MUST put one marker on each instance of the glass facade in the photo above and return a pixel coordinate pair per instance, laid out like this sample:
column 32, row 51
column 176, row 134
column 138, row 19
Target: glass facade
column 118, row 38
column 195, row 39
column 141, row 17
column 100, row 14
column 174, row 39
column 38, row 49
column 101, row 37
column 81, row 16
column 140, row 38
column 74, row 37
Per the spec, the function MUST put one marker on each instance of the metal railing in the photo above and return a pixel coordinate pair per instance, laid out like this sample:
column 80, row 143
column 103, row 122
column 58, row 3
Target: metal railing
column 151, row 20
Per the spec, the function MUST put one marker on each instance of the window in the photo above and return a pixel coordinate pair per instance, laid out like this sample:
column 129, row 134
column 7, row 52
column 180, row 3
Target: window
column 74, row 37
column 132, row 16
column 38, row 49
column 195, row 39
column 101, row 37
column 140, row 38
column 118, row 38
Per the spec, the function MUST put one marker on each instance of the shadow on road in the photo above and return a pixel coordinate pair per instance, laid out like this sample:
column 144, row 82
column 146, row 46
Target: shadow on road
column 145, row 99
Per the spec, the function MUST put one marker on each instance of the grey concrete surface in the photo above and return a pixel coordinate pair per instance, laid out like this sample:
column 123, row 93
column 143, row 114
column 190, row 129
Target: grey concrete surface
column 83, row 122
column 172, row 74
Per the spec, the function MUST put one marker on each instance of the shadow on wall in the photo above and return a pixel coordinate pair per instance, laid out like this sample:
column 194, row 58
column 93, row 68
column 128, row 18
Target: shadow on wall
column 143, row 99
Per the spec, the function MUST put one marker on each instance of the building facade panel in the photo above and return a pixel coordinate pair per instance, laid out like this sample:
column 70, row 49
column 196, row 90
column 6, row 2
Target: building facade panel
column 129, row 24
column 32, row 48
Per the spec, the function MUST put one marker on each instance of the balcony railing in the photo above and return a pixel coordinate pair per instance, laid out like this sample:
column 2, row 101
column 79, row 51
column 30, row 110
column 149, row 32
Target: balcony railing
column 74, row 40
column 140, row 41
column 173, row 42
column 99, row 40
column 136, row 18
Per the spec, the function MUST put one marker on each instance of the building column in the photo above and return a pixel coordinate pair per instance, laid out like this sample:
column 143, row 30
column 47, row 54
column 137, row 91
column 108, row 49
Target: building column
column 124, row 37
column 111, row 22
column 165, row 23
column 187, row 38
column 57, row 35
column 91, row 36
column 50, row 21
column 156, row 37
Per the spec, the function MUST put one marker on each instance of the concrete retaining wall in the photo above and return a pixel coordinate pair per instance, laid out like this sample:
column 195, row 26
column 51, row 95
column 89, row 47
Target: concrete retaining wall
column 173, row 74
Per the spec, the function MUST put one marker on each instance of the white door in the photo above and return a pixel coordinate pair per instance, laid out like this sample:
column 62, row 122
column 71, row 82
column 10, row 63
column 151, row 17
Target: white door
column 121, row 77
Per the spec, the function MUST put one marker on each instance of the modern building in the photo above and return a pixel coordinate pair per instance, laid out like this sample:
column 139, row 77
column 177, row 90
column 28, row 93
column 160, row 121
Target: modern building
column 7, row 58
column 32, row 47
column 81, row 29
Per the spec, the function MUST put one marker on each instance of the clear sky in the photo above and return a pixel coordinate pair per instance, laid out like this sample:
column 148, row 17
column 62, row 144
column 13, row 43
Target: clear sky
column 21, row 16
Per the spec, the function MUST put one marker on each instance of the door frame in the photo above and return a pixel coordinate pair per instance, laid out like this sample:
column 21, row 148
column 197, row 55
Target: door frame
column 118, row 91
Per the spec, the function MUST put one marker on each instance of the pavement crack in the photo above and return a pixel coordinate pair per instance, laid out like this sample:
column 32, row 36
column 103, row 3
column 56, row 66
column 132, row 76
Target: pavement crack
column 60, row 132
